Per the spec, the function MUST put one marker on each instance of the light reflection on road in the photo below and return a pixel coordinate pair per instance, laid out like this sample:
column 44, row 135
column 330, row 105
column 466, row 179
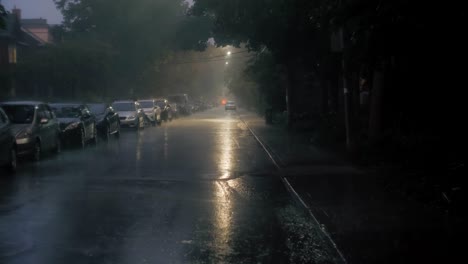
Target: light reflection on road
column 225, row 149
column 223, row 218
column 223, row 202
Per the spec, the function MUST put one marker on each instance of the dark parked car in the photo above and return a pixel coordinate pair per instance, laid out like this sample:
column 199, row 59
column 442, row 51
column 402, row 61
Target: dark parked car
column 77, row 123
column 7, row 144
column 183, row 103
column 166, row 111
column 35, row 127
column 107, row 120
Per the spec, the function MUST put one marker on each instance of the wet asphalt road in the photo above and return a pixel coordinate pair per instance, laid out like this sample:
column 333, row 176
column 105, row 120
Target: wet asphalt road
column 196, row 190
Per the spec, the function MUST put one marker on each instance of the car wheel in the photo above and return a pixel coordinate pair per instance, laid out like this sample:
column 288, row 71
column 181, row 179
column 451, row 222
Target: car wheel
column 58, row 145
column 117, row 133
column 13, row 163
column 95, row 137
column 82, row 139
column 106, row 134
column 138, row 125
column 36, row 156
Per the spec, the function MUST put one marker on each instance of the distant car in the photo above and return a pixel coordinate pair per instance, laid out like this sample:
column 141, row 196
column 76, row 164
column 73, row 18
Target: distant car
column 151, row 110
column 230, row 105
column 107, row 120
column 166, row 111
column 130, row 114
column 77, row 123
column 7, row 144
column 35, row 127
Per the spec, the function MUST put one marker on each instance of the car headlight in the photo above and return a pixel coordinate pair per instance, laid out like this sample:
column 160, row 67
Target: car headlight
column 72, row 126
column 131, row 117
column 26, row 133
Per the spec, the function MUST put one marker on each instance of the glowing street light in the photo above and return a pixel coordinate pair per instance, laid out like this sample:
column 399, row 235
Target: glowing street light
column 228, row 53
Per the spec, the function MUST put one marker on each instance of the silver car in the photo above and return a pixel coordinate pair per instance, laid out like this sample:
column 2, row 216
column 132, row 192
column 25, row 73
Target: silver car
column 130, row 112
column 35, row 127
column 151, row 110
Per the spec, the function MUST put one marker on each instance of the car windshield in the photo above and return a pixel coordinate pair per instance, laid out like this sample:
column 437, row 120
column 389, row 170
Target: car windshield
column 123, row 107
column 146, row 104
column 97, row 109
column 66, row 111
column 19, row 114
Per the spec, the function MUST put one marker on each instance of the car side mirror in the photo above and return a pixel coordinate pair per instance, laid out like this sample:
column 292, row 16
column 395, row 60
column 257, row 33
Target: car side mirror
column 44, row 121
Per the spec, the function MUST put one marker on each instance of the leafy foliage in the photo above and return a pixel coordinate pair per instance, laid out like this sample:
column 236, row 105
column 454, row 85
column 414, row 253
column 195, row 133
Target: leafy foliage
column 3, row 14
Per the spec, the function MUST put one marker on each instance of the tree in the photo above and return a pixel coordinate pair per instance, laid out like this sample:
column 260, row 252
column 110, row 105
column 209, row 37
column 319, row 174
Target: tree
column 3, row 14
column 290, row 30
column 141, row 34
column 388, row 44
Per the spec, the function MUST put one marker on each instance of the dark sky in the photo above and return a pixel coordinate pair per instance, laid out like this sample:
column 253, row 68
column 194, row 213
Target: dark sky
column 35, row 9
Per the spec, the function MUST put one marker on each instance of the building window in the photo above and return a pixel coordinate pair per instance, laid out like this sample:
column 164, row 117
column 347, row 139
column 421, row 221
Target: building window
column 12, row 53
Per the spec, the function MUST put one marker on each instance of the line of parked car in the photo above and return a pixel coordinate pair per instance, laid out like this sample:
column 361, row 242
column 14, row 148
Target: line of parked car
column 30, row 128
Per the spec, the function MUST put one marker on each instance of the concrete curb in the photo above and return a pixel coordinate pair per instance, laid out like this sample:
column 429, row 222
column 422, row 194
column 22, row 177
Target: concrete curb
column 277, row 161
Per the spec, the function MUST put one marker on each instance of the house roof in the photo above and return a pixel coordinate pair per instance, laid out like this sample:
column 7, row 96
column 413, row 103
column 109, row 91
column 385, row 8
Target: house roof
column 34, row 22
column 16, row 32
column 30, row 38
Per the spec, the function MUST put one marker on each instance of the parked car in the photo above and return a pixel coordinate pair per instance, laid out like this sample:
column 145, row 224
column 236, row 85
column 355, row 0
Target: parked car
column 151, row 110
column 174, row 109
column 35, row 127
column 230, row 105
column 183, row 103
column 130, row 114
column 77, row 123
column 166, row 111
column 107, row 120
column 7, row 144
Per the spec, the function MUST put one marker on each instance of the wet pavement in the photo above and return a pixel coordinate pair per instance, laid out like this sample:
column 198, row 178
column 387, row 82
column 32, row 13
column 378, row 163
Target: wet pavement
column 196, row 190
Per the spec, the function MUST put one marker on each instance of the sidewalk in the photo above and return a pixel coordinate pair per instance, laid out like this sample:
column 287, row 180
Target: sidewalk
column 369, row 223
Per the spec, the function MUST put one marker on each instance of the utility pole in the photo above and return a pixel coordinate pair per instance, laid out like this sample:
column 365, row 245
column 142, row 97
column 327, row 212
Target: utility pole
column 338, row 45
column 347, row 103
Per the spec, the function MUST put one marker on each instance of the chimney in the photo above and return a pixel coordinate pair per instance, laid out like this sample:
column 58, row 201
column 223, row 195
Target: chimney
column 17, row 13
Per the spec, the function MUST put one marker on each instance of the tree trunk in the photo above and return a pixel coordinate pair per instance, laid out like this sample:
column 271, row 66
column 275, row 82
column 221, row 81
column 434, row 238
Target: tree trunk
column 375, row 117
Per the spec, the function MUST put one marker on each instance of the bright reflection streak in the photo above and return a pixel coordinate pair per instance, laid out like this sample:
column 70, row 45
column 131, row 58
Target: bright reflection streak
column 225, row 144
column 222, row 218
column 223, row 203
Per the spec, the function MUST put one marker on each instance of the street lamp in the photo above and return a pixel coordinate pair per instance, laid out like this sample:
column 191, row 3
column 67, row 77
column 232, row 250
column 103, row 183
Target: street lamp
column 228, row 53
